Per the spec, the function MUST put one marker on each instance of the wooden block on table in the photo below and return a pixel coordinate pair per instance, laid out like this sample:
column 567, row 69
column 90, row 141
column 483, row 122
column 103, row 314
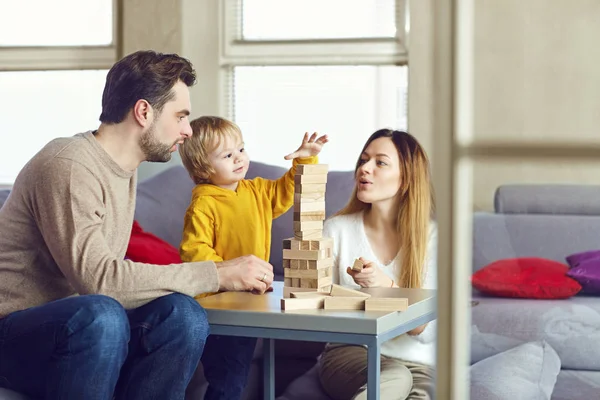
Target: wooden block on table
column 309, row 235
column 310, row 188
column 319, row 244
column 299, row 264
column 309, row 216
column 358, row 265
column 303, row 295
column 309, row 197
column 320, row 284
column 344, row 303
column 288, row 290
column 340, row 291
column 308, row 303
column 308, row 225
column 304, row 254
column 386, row 304
column 304, row 179
column 311, row 169
column 315, row 206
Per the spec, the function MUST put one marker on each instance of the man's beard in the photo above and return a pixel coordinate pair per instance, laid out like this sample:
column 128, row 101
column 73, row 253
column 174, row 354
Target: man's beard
column 153, row 149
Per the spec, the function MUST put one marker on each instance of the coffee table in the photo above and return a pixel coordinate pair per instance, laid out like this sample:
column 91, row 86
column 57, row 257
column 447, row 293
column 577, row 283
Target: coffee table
column 260, row 316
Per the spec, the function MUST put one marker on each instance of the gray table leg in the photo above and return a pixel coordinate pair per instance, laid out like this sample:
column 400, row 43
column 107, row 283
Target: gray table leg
column 269, row 369
column 374, row 369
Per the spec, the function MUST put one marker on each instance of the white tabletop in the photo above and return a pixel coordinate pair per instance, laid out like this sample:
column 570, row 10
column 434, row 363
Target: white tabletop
column 264, row 311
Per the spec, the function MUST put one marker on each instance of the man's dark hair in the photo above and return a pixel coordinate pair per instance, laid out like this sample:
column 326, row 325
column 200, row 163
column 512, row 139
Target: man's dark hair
column 144, row 75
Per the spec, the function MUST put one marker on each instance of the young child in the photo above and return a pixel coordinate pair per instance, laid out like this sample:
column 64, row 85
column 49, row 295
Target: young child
column 230, row 216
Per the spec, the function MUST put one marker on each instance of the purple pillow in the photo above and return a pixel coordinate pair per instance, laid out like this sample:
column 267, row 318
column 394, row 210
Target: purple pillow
column 575, row 259
column 587, row 274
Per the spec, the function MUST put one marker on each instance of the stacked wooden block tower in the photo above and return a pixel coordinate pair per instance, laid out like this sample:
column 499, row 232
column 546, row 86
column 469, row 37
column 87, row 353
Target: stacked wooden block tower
column 307, row 257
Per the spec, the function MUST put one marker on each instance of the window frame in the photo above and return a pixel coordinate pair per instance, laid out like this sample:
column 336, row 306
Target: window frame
column 38, row 58
column 373, row 51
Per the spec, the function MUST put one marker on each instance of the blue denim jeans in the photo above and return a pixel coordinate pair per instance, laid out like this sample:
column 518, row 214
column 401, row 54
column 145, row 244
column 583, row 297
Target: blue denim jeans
column 90, row 347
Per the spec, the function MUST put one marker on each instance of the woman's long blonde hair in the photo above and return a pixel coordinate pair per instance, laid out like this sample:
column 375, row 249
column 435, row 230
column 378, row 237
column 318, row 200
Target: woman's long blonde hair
column 416, row 204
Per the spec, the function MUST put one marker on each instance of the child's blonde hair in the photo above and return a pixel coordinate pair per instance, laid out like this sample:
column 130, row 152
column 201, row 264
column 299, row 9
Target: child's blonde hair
column 207, row 134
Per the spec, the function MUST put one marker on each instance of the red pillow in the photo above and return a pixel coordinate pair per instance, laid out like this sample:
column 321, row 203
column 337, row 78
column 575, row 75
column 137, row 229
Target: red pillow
column 147, row 248
column 527, row 277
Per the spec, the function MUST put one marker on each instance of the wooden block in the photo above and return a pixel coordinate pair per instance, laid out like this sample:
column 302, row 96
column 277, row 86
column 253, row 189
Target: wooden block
column 304, row 254
column 309, row 216
column 308, row 197
column 317, row 206
column 319, row 244
column 344, row 303
column 308, row 225
column 340, row 291
column 286, row 264
column 304, row 179
column 305, row 273
column 358, row 265
column 311, row 169
column 309, row 235
column 310, row 188
column 287, row 281
column 288, row 290
column 322, row 263
column 292, row 244
column 309, row 303
column 303, row 295
column 386, row 304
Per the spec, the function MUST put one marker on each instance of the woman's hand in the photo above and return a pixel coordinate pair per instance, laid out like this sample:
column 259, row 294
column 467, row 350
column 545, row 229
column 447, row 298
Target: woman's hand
column 370, row 276
column 310, row 146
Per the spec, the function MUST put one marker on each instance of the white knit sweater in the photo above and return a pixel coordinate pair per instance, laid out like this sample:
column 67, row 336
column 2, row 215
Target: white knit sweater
column 350, row 242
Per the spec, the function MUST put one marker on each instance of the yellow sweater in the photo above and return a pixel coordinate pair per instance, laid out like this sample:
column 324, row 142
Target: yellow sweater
column 222, row 224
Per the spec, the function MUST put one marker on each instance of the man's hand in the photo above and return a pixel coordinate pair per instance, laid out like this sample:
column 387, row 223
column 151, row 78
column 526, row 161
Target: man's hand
column 370, row 276
column 246, row 273
column 309, row 147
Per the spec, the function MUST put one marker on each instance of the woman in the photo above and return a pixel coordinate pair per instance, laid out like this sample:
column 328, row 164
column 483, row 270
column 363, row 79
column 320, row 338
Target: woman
column 387, row 223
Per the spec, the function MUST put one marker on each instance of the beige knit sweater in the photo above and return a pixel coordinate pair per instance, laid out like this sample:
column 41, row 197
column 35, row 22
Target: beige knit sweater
column 65, row 227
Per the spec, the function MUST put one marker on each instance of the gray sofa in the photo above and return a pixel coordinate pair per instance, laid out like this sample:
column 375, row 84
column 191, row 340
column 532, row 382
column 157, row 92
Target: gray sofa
column 550, row 222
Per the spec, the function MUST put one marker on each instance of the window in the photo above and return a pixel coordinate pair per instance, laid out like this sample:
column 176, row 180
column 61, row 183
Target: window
column 343, row 74
column 41, row 105
column 51, row 77
column 275, row 105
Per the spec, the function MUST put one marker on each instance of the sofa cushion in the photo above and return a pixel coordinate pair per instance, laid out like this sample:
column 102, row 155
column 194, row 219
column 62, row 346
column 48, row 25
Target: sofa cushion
column 485, row 345
column 572, row 327
column 147, row 248
column 574, row 385
column 3, row 196
column 585, row 269
column 528, row 371
column 526, row 277
column 554, row 237
column 565, row 199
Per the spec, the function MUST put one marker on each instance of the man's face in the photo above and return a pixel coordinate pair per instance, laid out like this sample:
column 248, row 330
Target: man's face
column 169, row 128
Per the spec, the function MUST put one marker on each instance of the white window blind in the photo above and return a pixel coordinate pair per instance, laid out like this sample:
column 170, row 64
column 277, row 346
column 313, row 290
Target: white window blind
column 336, row 67
column 38, row 106
column 318, row 19
column 54, row 56
column 275, row 105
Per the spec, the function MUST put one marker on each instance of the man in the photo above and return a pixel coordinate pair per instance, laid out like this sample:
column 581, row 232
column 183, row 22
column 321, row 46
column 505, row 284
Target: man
column 134, row 331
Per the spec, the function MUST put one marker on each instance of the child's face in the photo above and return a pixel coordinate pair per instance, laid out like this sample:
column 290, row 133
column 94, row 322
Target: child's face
column 230, row 162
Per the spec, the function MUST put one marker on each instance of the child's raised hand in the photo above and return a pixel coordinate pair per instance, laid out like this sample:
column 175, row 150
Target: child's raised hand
column 309, row 147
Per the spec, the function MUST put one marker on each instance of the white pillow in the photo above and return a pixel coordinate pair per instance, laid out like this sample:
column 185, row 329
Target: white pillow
column 526, row 372
column 484, row 345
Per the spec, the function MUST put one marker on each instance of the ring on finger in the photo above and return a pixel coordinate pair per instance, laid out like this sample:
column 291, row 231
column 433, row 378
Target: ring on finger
column 264, row 277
